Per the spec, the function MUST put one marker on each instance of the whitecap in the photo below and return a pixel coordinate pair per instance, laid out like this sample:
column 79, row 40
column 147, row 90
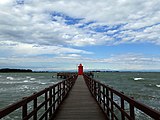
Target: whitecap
column 10, row 78
column 136, row 79
column 26, row 87
column 32, row 78
column 11, row 82
column 23, row 87
column 53, row 82
column 28, row 77
column 158, row 85
column 42, row 83
column 25, row 81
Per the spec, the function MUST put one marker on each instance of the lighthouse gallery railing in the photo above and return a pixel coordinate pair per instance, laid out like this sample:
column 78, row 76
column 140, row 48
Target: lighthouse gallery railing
column 50, row 98
column 116, row 105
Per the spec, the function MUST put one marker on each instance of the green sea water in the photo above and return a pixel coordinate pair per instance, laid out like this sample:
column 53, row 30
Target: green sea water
column 15, row 86
column 143, row 86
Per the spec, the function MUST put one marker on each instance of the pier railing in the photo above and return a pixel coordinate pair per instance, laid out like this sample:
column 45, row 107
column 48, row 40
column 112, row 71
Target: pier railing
column 118, row 106
column 43, row 104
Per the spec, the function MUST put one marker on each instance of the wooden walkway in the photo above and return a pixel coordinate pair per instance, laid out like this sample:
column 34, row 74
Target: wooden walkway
column 80, row 105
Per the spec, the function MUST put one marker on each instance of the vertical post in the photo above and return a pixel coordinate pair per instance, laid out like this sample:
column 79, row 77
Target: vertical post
column 95, row 90
column 58, row 95
column 98, row 88
column 122, row 108
column 64, row 90
column 99, row 93
column 60, row 91
column 24, row 111
column 89, row 83
column 46, row 104
column 112, row 109
column 54, row 106
column 107, row 98
column 92, row 87
column 50, row 101
column 104, row 100
column 35, row 106
column 68, row 85
column 132, row 113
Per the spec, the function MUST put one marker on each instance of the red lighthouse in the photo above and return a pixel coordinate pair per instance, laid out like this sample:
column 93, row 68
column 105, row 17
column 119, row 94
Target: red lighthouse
column 80, row 69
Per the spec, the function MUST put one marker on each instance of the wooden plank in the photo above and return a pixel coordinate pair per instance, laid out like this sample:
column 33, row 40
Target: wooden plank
column 80, row 105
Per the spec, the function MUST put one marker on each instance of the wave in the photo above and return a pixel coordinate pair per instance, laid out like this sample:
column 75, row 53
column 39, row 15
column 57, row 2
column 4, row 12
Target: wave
column 25, row 81
column 136, row 79
column 158, row 86
column 11, row 82
column 42, row 83
column 53, row 76
column 23, row 87
column 28, row 77
column 32, row 78
column 9, row 78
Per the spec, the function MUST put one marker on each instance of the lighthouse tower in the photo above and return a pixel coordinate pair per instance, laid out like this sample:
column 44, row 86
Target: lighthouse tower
column 80, row 69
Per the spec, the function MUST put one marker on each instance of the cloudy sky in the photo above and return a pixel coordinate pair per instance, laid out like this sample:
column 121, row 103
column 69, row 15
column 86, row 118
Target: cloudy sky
column 60, row 34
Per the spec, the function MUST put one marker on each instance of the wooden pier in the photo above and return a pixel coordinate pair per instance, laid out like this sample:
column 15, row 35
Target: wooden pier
column 65, row 75
column 80, row 104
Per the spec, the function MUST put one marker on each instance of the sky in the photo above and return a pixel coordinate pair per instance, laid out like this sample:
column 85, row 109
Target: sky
column 51, row 35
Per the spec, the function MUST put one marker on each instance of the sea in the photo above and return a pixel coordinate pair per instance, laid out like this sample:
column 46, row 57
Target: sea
column 143, row 86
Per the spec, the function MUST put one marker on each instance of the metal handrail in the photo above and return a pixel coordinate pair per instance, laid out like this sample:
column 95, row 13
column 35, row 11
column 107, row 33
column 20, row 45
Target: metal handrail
column 53, row 97
column 105, row 96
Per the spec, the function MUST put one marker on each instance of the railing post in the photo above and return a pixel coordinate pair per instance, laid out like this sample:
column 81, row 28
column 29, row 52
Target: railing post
column 104, row 108
column 50, row 101
column 99, row 93
column 132, row 113
column 95, row 90
column 35, row 106
column 122, row 107
column 54, row 106
column 60, row 91
column 112, row 109
column 46, row 104
column 64, row 90
column 58, row 95
column 92, row 86
column 107, row 98
column 24, row 110
column 68, row 85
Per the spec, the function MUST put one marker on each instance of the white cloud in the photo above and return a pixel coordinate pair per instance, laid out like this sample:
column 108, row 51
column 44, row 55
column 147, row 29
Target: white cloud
column 24, row 49
column 31, row 22
column 29, row 29
column 128, row 61
column 4, row 2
